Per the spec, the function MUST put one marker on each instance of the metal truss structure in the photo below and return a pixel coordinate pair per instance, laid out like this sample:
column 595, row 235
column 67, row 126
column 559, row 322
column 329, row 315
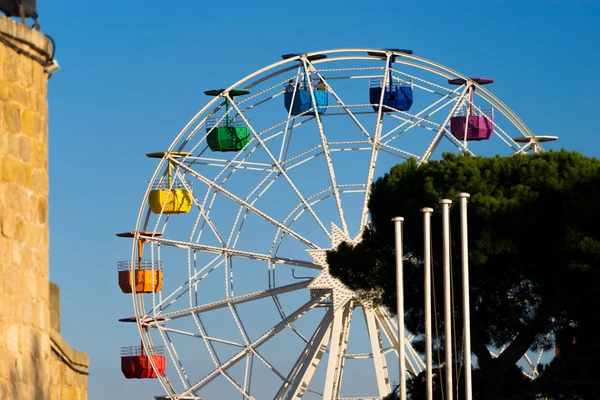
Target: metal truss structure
column 233, row 315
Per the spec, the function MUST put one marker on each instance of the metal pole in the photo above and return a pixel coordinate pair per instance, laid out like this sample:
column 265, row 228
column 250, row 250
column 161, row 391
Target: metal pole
column 447, row 309
column 427, row 269
column 465, row 288
column 400, row 307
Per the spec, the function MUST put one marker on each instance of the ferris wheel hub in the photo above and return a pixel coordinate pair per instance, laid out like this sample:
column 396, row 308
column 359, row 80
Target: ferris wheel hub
column 325, row 282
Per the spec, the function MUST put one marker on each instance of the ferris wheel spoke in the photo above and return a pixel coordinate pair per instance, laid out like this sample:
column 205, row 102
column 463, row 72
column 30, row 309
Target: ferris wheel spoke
column 248, row 372
column 381, row 371
column 397, row 152
column 232, row 252
column 212, row 194
column 390, row 329
column 243, row 203
column 255, row 344
column 224, row 163
column 438, row 137
column 279, row 167
column 199, row 275
column 175, row 358
column 418, row 117
column 296, row 383
column 424, row 124
column 338, row 200
column 310, row 67
column 441, row 90
column 233, row 301
column 285, row 144
column 195, row 335
column 268, row 364
column 297, row 212
column 375, row 150
column 245, row 395
column 201, row 209
column 339, row 342
column 234, row 235
column 308, row 155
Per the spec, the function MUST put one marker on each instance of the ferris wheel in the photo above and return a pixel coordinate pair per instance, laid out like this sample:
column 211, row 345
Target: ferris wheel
column 231, row 290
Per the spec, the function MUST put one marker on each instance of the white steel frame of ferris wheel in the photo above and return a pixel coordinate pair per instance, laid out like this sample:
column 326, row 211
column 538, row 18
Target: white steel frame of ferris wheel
column 334, row 326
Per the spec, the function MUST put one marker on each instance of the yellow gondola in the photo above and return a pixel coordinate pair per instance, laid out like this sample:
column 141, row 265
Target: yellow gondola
column 170, row 197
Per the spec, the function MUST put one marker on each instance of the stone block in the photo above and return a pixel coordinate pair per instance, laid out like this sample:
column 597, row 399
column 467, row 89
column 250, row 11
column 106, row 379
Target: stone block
column 20, row 229
column 10, row 66
column 39, row 80
column 40, row 182
column 13, row 275
column 25, row 148
column 12, row 145
column 16, row 171
column 39, row 154
column 16, row 255
column 65, row 392
column 44, row 343
column 7, row 360
column 5, row 389
column 27, row 260
column 42, row 208
column 27, row 123
column 26, row 391
column 43, row 106
column 27, row 310
column 54, row 306
column 43, row 317
column 11, row 117
column 18, row 199
column 55, row 392
column 40, row 258
column 58, row 372
column 4, row 251
column 19, row 94
column 3, row 137
column 26, row 71
column 8, row 225
column 12, row 338
column 30, row 288
column 17, row 368
column 6, row 314
column 4, row 86
column 37, row 127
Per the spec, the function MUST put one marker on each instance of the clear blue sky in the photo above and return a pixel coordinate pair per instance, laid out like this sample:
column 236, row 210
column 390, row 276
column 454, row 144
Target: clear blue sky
column 132, row 74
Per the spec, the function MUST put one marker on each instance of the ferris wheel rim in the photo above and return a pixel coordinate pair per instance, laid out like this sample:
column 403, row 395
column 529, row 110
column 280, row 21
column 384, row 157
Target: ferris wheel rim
column 137, row 298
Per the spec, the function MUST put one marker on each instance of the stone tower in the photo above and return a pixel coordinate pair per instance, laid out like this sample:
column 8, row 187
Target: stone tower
column 35, row 363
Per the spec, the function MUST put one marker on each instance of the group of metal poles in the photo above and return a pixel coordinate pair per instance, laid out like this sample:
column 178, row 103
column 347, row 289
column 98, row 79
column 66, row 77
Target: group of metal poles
column 447, row 298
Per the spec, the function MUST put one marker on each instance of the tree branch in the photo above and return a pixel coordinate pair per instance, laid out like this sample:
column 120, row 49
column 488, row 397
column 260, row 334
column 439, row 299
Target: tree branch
column 519, row 346
column 480, row 349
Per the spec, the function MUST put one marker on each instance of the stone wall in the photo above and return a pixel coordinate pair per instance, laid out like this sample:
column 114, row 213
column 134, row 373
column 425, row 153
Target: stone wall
column 69, row 368
column 26, row 352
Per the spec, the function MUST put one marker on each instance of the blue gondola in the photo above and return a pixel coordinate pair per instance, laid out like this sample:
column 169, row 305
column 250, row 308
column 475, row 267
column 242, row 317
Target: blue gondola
column 397, row 95
column 303, row 101
column 298, row 97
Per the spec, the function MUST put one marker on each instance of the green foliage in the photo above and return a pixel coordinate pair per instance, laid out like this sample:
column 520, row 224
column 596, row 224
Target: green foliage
column 534, row 253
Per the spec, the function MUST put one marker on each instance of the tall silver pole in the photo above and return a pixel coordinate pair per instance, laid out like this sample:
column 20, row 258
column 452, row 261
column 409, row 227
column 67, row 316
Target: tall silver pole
column 400, row 307
column 465, row 289
column 427, row 267
column 447, row 309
